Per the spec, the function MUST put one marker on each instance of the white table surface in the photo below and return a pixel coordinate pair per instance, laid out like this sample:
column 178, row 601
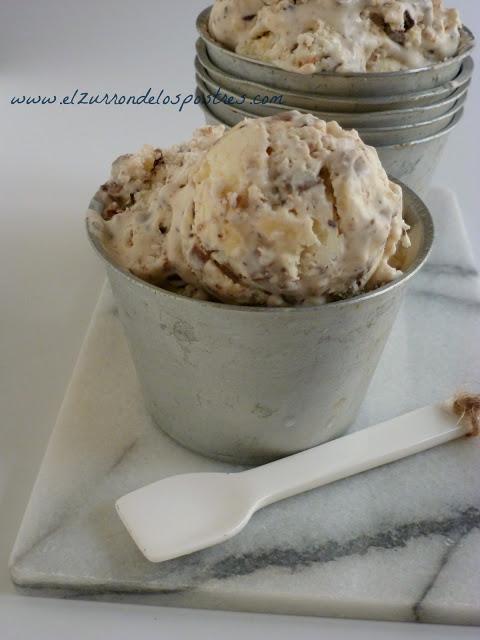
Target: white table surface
column 51, row 160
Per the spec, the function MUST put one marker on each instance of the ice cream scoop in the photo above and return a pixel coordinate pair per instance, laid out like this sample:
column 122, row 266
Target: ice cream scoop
column 277, row 211
column 309, row 36
column 287, row 210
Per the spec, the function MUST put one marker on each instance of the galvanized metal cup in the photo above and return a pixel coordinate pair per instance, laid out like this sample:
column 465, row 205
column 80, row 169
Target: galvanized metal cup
column 376, row 119
column 414, row 163
column 333, row 83
column 330, row 102
column 372, row 133
column 251, row 384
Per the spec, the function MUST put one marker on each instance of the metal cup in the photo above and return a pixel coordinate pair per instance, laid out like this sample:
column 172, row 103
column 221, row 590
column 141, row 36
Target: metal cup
column 373, row 120
column 330, row 102
column 251, row 384
column 379, row 135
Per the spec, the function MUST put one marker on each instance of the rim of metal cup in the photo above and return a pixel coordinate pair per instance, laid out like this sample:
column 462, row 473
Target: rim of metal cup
column 411, row 201
column 451, row 125
column 456, row 99
column 211, row 116
column 463, row 79
column 419, row 125
column 457, row 94
column 428, row 127
column 468, row 45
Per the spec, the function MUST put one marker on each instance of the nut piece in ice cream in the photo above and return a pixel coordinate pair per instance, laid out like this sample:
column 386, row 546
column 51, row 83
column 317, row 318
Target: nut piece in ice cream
column 309, row 36
column 287, row 210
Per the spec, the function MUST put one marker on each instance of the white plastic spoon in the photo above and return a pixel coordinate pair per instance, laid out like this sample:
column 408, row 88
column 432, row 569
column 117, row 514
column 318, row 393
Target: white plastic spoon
column 182, row 514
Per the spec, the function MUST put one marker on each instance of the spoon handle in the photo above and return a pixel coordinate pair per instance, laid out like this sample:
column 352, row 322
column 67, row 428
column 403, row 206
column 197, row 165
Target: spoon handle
column 355, row 453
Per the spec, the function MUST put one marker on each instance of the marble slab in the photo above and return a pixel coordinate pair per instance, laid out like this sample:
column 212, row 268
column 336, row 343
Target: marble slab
column 397, row 543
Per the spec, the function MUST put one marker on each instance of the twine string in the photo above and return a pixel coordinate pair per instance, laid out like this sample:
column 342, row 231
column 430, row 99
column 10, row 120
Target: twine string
column 467, row 407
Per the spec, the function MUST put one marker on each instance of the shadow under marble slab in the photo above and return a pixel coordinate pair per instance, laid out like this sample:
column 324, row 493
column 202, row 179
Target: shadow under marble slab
column 397, row 543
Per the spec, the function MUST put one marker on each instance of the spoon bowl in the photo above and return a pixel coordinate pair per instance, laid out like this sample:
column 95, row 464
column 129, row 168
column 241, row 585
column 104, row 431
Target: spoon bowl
column 185, row 513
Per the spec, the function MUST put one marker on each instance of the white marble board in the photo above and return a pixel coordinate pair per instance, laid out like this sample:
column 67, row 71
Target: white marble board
column 397, row 543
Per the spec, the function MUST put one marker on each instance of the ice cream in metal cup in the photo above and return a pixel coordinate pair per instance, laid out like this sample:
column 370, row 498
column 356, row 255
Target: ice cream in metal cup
column 251, row 384
column 334, row 83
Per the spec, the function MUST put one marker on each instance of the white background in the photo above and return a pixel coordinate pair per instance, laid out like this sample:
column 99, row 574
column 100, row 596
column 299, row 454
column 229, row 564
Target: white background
column 51, row 161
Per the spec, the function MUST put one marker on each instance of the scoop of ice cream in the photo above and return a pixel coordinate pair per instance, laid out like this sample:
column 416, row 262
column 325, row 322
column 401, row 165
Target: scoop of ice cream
column 138, row 203
column 287, row 210
column 309, row 36
column 280, row 210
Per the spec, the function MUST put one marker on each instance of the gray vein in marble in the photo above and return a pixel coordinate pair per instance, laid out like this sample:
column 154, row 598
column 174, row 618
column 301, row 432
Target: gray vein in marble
column 41, row 540
column 450, row 270
column 454, row 527
column 417, row 608
column 446, row 297
column 124, row 455
column 461, row 524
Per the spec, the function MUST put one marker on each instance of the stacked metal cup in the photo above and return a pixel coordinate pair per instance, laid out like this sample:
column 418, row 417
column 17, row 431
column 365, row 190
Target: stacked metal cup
column 407, row 115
